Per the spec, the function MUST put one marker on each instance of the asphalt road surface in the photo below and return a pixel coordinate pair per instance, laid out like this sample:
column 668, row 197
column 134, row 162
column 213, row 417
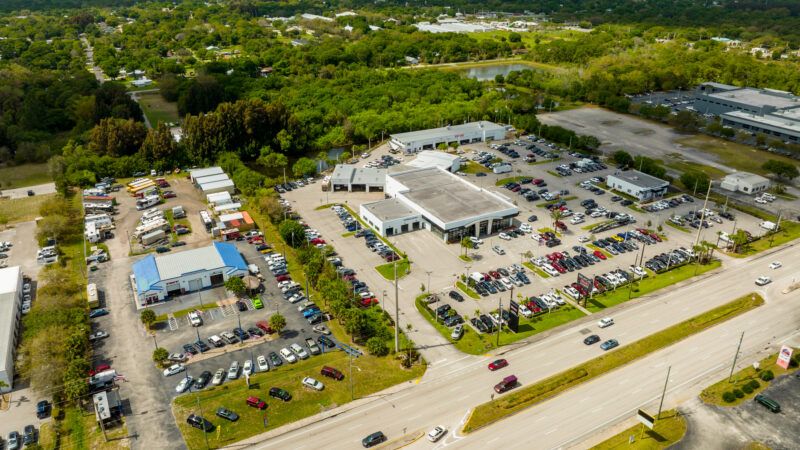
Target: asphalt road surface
column 39, row 189
column 446, row 397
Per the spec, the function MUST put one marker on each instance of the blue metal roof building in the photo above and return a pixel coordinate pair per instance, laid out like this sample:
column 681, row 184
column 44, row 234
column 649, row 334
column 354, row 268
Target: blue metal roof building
column 155, row 278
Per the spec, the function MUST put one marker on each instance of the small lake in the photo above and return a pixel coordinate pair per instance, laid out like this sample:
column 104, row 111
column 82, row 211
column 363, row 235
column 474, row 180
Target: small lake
column 484, row 73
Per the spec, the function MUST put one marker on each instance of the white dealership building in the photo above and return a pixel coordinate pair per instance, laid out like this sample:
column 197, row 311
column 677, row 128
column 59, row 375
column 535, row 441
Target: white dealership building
column 10, row 313
column 466, row 133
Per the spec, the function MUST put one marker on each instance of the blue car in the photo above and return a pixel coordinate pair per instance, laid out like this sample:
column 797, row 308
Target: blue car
column 97, row 313
column 310, row 312
column 609, row 344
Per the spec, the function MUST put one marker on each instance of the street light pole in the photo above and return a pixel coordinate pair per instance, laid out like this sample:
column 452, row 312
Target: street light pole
column 396, row 313
column 429, row 272
column 736, row 356
column 663, row 393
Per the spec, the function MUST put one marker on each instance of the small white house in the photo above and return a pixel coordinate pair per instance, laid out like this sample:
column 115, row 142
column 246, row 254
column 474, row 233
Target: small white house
column 749, row 183
column 640, row 185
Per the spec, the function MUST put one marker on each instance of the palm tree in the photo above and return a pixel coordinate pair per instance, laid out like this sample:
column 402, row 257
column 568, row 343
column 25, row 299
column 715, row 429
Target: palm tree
column 739, row 239
column 466, row 244
column 556, row 214
column 709, row 248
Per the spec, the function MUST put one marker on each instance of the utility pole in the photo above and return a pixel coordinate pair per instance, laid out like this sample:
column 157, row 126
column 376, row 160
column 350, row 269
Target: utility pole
column 429, row 272
column 702, row 216
column 736, row 356
column 499, row 318
column 396, row 313
column 663, row 393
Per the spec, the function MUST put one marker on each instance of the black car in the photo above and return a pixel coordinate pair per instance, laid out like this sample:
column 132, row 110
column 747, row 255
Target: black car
column 178, row 243
column 189, row 348
column 373, row 439
column 274, row 359
column 280, row 394
column 479, row 325
column 593, row 339
column 200, row 423
column 42, row 409
column 162, row 249
column 533, row 218
column 202, row 346
column 325, row 341
column 202, row 380
column 255, row 331
column 240, row 333
column 456, row 296
column 29, row 436
column 226, row 413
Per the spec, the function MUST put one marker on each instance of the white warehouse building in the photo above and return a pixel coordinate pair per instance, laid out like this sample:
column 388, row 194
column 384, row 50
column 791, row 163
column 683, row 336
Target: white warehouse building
column 749, row 183
column 640, row 185
column 434, row 199
column 467, row 133
column 10, row 312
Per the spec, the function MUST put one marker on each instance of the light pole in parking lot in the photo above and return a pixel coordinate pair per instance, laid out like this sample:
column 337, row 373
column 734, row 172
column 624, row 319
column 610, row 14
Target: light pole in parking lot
column 396, row 313
column 429, row 272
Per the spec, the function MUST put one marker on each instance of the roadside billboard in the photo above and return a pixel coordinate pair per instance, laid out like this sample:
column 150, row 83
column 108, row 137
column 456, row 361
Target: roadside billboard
column 586, row 282
column 785, row 356
column 513, row 316
column 648, row 420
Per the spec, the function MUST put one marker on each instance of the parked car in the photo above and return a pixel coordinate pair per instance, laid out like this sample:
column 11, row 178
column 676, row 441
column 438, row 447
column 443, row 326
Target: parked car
column 605, row 322
column 202, row 380
column 313, row 383
column 436, row 433
column 200, row 423
column 227, row 414
column 256, row 402
column 279, row 393
column 330, row 372
column 174, row 369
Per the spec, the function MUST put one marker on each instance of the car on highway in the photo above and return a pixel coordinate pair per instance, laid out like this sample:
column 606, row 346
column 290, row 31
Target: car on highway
column 173, row 369
column 185, row 383
column 227, row 414
column 609, row 344
column 593, row 339
column 498, row 364
column 775, row 265
column 762, row 280
column 313, row 383
column 263, row 365
column 200, row 423
column 373, row 439
column 509, row 382
column 605, row 322
column 279, row 393
column 436, row 433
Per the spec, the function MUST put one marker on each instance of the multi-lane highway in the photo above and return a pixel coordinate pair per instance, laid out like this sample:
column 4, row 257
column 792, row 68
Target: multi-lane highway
column 457, row 386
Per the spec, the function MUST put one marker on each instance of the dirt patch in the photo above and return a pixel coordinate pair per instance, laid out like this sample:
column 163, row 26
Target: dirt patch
column 643, row 132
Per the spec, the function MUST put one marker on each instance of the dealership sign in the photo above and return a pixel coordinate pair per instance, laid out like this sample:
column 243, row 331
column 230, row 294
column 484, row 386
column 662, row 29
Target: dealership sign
column 648, row 420
column 785, row 356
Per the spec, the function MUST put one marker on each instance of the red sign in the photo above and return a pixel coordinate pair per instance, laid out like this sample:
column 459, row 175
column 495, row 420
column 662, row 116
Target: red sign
column 785, row 356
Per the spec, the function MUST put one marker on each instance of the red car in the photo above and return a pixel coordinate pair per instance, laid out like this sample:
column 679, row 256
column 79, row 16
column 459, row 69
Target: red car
column 656, row 237
column 98, row 369
column 283, row 278
column 600, row 254
column 264, row 325
column 498, row 364
column 558, row 267
column 316, row 241
column 369, row 301
column 256, row 402
column 486, row 277
column 495, row 274
column 168, row 194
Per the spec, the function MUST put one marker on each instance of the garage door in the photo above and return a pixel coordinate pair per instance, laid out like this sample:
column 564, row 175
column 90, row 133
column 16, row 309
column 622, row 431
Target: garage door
column 195, row 285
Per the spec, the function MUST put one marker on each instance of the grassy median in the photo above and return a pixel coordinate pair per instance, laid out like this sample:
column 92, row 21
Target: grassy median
column 370, row 375
column 467, row 290
column 669, row 429
column 549, row 387
column 536, row 270
column 387, row 270
column 748, row 382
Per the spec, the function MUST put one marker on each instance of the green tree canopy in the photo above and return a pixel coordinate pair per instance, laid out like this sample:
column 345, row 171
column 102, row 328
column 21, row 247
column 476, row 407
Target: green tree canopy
column 782, row 169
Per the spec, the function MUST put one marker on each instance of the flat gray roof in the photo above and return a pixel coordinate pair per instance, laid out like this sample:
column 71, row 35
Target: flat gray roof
column 726, row 87
column 9, row 307
column 640, row 179
column 758, row 97
column 350, row 174
column 451, row 131
column 447, row 196
column 389, row 209
column 789, row 122
column 746, row 177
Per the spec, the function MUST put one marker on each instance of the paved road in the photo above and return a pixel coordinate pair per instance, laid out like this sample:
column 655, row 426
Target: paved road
column 447, row 397
column 39, row 189
column 97, row 71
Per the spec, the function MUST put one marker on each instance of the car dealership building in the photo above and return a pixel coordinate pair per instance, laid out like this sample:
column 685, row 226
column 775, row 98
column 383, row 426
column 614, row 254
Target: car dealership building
column 466, row 133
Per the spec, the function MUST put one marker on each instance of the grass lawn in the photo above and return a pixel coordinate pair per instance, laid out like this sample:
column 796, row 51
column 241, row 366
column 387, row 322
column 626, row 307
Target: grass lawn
column 542, row 322
column 467, row 290
column 668, row 430
column 789, row 231
column 650, row 284
column 387, row 270
column 370, row 375
column 471, row 342
column 530, row 395
column 678, row 162
column 23, row 175
column 465, row 258
column 157, row 109
column 713, row 393
column 536, row 270
column 596, row 224
column 504, row 181
column 471, row 167
column 183, row 312
column 21, row 209
column 677, row 227
column 348, row 234
column 732, row 154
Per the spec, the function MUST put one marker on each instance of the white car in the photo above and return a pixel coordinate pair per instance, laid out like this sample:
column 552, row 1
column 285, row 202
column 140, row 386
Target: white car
column 506, row 282
column 576, row 220
column 550, row 270
column 288, row 355
column 183, row 385
column 761, row 281
column 299, row 351
column 458, row 331
column 775, row 265
column 313, row 383
column 173, row 369
column 504, row 237
column 526, row 228
column 233, row 370
column 525, row 311
column 194, row 319
column 583, row 239
column 219, row 377
column 177, row 357
column 605, row 322
column 247, row 369
column 499, row 250
column 475, row 240
column 321, row 329
column 437, row 433
column 263, row 365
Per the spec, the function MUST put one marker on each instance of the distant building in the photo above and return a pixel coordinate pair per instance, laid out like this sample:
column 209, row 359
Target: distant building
column 142, row 82
column 433, row 158
column 748, row 183
column 640, row 185
column 347, row 177
column 467, row 133
column 10, row 315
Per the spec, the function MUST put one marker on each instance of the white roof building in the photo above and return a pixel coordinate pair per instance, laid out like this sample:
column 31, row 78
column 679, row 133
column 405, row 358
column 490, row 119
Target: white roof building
column 218, row 186
column 432, row 158
column 749, row 183
column 467, row 133
column 199, row 173
column 10, row 312
column 351, row 178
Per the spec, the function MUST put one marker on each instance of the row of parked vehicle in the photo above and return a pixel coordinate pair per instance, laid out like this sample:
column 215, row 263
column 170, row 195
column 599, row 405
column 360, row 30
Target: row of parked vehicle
column 291, row 185
column 674, row 202
column 668, row 260
column 604, row 282
column 498, row 280
column 384, row 162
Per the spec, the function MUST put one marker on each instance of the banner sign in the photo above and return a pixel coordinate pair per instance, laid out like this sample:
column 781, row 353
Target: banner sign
column 785, row 357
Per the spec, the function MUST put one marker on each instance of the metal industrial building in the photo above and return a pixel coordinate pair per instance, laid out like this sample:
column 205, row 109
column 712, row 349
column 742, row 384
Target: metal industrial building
column 433, row 158
column 10, row 312
column 640, row 185
column 467, row 133
column 437, row 200
column 205, row 172
column 768, row 111
column 157, row 277
column 347, row 177
column 749, row 183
